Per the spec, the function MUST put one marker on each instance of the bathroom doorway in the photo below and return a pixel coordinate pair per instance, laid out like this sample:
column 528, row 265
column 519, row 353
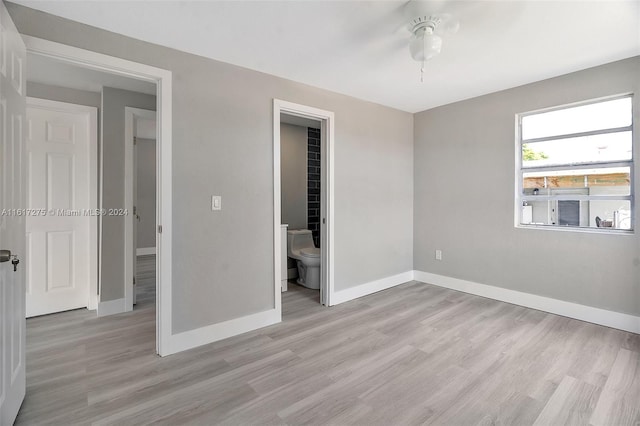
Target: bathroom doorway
column 303, row 202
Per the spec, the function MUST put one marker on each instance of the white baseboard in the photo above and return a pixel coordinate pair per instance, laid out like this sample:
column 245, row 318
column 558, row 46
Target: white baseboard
column 212, row 333
column 370, row 287
column 599, row 316
column 145, row 251
column 284, row 284
column 111, row 307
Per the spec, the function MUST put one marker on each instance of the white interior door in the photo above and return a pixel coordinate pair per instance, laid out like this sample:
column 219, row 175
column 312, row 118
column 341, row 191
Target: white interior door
column 59, row 241
column 12, row 219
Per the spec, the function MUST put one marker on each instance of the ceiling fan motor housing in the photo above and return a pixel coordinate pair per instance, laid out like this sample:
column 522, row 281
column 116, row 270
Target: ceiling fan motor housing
column 424, row 43
column 424, row 21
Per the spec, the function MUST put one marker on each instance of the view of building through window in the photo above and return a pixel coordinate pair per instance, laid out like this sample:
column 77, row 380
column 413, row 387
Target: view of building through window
column 575, row 167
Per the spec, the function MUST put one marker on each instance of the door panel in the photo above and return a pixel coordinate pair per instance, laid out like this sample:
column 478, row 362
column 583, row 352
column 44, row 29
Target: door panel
column 60, row 132
column 59, row 178
column 60, row 253
column 17, row 79
column 29, row 270
column 12, row 219
column 58, row 145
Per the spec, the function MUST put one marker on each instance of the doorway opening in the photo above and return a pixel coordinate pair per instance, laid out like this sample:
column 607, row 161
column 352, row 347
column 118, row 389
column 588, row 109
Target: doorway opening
column 62, row 181
column 115, row 284
column 140, row 201
column 303, row 202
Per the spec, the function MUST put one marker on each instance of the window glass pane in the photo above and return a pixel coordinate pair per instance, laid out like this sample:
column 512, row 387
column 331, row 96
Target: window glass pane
column 536, row 213
column 566, row 213
column 615, row 214
column 598, row 116
column 610, row 214
column 601, row 181
column 587, row 149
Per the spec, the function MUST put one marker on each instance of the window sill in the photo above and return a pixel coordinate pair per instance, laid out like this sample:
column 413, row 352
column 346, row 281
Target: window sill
column 605, row 231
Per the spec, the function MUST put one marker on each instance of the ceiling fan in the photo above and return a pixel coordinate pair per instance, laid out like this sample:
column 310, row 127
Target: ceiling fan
column 427, row 24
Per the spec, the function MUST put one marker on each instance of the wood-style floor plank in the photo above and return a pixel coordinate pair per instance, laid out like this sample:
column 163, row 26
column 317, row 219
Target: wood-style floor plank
column 413, row 354
column 620, row 399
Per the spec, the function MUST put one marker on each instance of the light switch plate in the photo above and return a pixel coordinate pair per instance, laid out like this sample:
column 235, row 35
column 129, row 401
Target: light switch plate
column 438, row 254
column 216, row 202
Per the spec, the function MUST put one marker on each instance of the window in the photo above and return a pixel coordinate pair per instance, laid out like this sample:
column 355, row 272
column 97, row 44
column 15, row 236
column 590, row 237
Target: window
column 575, row 167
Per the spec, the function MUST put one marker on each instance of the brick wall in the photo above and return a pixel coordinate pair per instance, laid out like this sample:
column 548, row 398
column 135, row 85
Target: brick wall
column 313, row 183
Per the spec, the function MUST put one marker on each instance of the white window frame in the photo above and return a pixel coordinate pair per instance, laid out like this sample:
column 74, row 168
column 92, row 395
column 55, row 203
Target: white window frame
column 520, row 197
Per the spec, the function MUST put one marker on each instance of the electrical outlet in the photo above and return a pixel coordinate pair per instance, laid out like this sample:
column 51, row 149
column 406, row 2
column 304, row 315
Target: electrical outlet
column 438, row 254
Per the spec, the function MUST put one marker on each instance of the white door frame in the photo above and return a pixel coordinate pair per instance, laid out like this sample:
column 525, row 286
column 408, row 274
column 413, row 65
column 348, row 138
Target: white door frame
column 92, row 112
column 163, row 80
column 327, row 200
column 130, row 115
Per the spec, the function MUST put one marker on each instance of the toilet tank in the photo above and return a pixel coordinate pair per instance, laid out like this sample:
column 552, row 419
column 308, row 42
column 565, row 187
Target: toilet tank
column 299, row 239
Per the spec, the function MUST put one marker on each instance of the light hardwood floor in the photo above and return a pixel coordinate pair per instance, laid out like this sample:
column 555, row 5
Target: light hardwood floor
column 414, row 354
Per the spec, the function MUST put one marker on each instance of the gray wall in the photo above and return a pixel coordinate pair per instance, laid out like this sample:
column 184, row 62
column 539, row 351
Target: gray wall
column 293, row 166
column 63, row 94
column 146, row 201
column 464, row 199
column 114, row 102
column 222, row 145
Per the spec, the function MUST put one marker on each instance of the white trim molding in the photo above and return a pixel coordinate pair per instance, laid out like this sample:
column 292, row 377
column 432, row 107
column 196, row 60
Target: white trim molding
column 371, row 287
column 111, row 307
column 212, row 333
column 327, row 267
column 145, row 251
column 590, row 314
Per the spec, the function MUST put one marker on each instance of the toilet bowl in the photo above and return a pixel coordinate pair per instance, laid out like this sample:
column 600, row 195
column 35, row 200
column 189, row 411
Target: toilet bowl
column 301, row 248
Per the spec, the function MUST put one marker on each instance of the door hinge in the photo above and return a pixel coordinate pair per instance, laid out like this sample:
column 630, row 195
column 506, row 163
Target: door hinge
column 135, row 140
column 135, row 210
column 134, row 280
column 159, row 229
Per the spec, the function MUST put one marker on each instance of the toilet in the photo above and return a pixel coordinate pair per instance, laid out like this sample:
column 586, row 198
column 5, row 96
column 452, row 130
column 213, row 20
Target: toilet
column 301, row 248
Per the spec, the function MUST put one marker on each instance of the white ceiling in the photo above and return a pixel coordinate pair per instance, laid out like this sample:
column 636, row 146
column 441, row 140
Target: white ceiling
column 42, row 69
column 360, row 48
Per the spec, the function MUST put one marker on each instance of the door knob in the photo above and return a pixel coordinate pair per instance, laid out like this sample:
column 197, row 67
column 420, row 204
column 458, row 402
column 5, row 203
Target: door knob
column 5, row 255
